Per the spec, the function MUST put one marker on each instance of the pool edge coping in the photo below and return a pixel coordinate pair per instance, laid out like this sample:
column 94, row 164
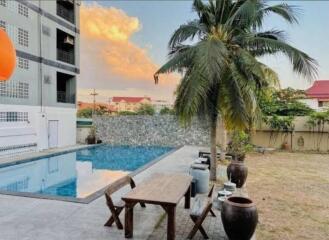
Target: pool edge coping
column 92, row 196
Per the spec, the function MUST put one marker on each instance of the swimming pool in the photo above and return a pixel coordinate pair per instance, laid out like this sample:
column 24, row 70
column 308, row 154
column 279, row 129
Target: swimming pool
column 77, row 174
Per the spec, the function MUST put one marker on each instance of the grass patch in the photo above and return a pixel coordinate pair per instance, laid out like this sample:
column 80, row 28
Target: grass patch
column 291, row 191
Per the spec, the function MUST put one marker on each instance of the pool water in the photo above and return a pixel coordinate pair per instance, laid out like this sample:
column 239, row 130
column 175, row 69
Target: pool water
column 77, row 174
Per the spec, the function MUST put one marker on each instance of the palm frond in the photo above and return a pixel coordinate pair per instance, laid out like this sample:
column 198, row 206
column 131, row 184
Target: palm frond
column 273, row 34
column 187, row 32
column 301, row 62
column 191, row 94
column 180, row 59
column 199, row 7
column 286, row 11
column 247, row 14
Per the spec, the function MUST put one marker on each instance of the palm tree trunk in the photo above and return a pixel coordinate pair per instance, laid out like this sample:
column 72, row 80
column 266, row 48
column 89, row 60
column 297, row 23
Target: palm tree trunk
column 213, row 150
column 223, row 139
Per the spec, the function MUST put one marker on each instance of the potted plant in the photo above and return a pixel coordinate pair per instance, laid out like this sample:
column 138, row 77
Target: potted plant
column 237, row 172
column 239, row 145
column 91, row 138
column 239, row 216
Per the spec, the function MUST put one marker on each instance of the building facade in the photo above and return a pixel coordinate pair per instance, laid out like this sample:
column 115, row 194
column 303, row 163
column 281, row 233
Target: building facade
column 320, row 92
column 38, row 103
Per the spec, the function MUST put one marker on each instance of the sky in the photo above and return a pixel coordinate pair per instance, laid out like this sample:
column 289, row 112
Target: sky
column 124, row 42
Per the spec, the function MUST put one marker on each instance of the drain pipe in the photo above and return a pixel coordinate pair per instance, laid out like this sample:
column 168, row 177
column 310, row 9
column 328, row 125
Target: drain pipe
column 40, row 55
column 42, row 124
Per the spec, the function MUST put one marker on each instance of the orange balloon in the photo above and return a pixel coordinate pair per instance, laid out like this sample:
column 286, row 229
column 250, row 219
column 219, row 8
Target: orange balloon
column 7, row 56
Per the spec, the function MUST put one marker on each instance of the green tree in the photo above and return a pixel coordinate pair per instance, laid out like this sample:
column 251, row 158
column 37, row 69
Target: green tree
column 146, row 109
column 284, row 103
column 127, row 113
column 167, row 111
column 85, row 113
column 88, row 112
column 217, row 55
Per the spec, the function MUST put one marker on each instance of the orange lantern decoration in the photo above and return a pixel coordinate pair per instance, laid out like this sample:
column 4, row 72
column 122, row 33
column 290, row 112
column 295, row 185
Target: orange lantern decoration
column 7, row 56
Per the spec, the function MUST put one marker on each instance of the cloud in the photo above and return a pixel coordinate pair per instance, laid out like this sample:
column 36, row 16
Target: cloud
column 109, row 59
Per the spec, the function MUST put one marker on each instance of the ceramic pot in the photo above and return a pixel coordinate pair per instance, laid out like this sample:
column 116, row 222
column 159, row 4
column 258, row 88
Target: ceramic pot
column 91, row 139
column 237, row 172
column 239, row 217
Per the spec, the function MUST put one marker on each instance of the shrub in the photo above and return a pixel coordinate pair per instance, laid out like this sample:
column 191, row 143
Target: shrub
column 167, row 111
column 146, row 109
column 127, row 113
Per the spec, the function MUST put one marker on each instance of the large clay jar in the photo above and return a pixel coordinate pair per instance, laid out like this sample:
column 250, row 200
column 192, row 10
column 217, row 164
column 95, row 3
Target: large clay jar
column 239, row 217
column 237, row 172
column 91, row 139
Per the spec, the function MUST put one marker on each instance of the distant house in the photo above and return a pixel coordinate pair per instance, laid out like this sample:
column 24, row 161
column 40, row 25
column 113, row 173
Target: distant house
column 319, row 93
column 130, row 104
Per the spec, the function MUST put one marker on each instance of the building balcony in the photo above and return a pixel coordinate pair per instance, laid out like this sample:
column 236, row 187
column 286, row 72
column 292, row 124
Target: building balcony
column 64, row 12
column 65, row 56
column 64, row 97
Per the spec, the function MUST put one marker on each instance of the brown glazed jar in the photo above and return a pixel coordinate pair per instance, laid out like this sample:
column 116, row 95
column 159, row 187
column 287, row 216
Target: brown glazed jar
column 239, row 217
column 237, row 172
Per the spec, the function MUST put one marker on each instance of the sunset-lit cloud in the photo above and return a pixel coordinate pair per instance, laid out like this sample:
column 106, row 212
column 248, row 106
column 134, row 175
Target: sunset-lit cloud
column 108, row 54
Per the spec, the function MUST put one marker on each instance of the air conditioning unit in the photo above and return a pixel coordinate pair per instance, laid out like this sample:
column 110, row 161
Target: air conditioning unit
column 69, row 40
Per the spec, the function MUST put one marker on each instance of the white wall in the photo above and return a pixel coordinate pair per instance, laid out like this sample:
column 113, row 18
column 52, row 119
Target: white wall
column 312, row 103
column 36, row 130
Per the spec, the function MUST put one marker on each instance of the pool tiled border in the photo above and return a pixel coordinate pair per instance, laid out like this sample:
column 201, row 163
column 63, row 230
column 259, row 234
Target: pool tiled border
column 87, row 199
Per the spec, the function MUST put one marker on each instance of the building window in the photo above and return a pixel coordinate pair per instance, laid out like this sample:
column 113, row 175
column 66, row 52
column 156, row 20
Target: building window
column 3, row 3
column 65, row 88
column 23, row 10
column 14, row 90
column 3, row 25
column 14, row 117
column 23, row 37
column 320, row 104
column 23, row 63
column 65, row 9
column 65, row 47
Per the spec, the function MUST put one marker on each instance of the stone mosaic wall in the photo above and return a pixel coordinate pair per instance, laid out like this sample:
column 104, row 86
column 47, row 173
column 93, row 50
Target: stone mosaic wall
column 161, row 130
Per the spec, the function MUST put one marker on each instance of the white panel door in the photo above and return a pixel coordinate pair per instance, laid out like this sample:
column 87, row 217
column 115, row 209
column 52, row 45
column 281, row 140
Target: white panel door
column 53, row 133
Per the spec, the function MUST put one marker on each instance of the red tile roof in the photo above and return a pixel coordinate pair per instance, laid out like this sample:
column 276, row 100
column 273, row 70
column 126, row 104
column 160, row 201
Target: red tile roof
column 130, row 99
column 319, row 90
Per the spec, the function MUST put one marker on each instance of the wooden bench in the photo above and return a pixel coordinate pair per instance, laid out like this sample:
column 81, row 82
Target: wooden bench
column 117, row 207
column 201, row 207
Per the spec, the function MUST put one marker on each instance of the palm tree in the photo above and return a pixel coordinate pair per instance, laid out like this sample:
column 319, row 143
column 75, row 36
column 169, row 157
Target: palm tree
column 217, row 55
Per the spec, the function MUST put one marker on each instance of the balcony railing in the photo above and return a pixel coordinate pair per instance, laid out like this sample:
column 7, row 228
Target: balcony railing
column 65, row 56
column 67, row 14
column 64, row 97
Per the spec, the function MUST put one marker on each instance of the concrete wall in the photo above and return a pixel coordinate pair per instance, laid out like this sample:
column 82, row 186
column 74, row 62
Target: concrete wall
column 302, row 139
column 35, row 130
column 82, row 134
column 150, row 130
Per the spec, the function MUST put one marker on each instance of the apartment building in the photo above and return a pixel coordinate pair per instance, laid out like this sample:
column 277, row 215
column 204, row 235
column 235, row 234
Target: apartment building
column 38, row 103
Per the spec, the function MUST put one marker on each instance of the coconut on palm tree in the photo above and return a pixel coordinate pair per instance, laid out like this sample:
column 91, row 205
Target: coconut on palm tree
column 217, row 55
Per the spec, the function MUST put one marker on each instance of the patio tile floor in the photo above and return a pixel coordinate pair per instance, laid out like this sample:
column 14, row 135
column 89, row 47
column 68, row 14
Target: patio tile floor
column 24, row 218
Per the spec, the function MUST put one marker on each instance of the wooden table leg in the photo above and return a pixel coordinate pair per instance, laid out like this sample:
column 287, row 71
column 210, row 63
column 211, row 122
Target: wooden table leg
column 171, row 227
column 129, row 220
column 188, row 198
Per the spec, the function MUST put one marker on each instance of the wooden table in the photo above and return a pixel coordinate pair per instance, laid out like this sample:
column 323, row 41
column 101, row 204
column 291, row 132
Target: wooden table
column 165, row 190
